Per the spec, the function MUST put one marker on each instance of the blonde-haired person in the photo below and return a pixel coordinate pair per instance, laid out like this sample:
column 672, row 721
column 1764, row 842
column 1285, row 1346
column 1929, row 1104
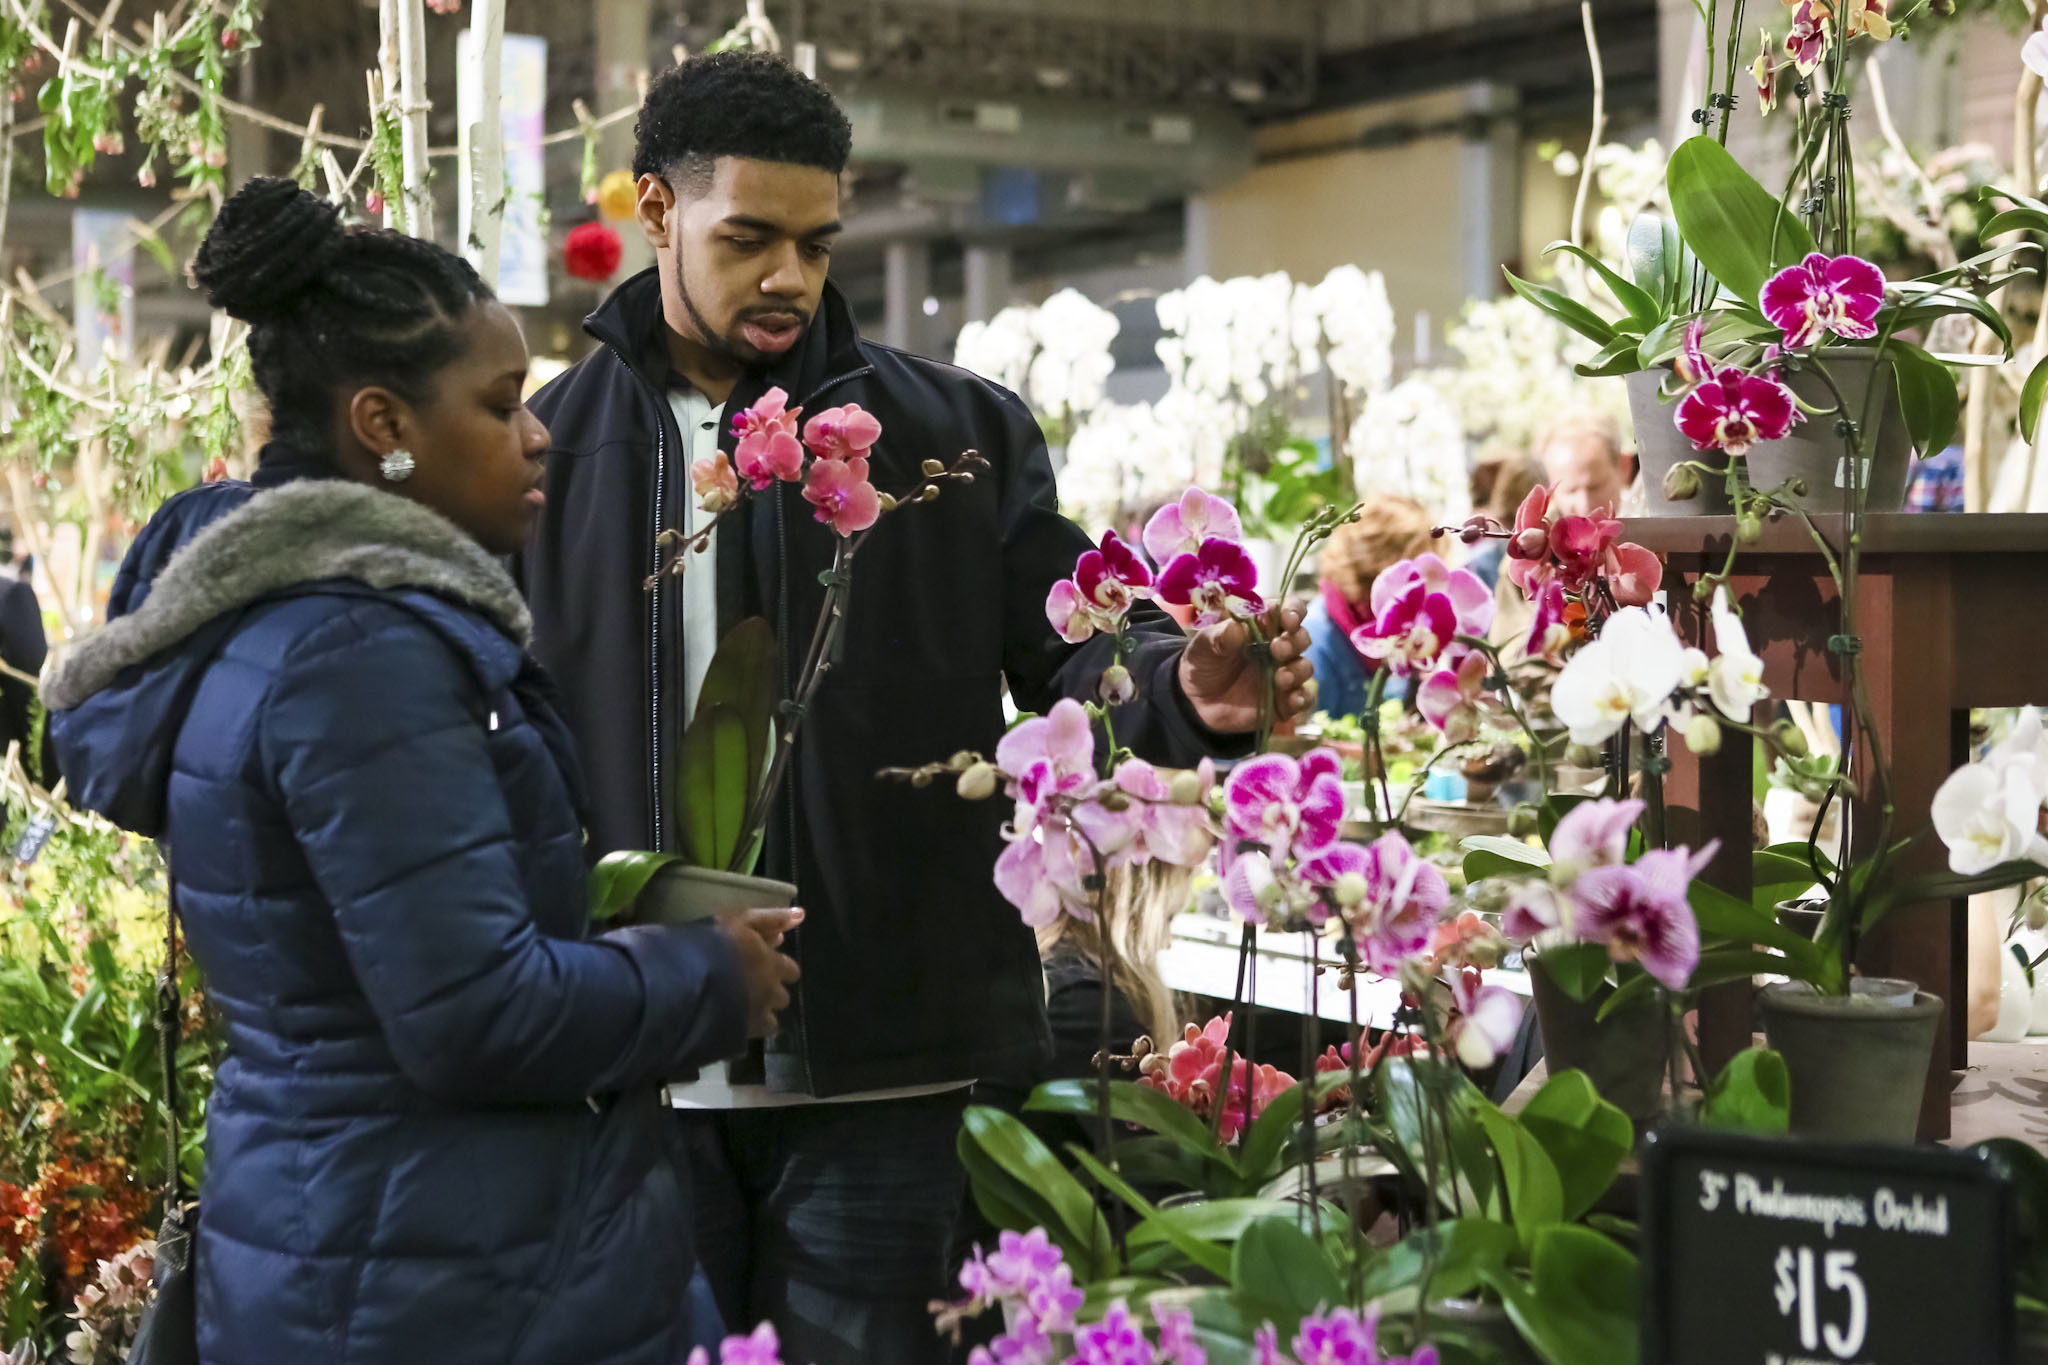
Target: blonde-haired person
column 1389, row 529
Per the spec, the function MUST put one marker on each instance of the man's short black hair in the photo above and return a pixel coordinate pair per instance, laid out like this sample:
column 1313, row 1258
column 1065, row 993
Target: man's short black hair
column 750, row 104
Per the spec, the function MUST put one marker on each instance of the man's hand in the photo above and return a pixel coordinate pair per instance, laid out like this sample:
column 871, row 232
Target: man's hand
column 1224, row 681
column 755, row 936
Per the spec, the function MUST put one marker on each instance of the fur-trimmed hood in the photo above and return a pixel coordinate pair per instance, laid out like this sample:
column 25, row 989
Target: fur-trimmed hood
column 308, row 531
column 119, row 699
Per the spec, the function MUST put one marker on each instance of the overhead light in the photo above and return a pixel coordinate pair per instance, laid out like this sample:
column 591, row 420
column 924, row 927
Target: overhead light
column 1055, row 77
column 843, row 59
column 1246, row 91
column 931, row 305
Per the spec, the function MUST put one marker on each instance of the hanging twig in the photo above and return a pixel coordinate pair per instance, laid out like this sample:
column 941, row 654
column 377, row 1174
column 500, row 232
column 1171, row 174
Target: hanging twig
column 484, row 173
column 1599, row 128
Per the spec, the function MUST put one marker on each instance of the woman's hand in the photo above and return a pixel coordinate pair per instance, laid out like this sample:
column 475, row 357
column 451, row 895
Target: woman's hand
column 756, row 937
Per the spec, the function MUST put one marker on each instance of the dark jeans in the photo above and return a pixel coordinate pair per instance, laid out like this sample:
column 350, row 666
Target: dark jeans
column 833, row 1221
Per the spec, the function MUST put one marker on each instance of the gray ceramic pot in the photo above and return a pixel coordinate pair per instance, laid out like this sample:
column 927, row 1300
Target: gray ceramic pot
column 680, row 895
column 1623, row 1055
column 1858, row 1063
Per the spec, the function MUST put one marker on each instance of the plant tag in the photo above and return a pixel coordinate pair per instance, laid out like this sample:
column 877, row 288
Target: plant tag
column 1771, row 1251
column 1862, row 473
column 29, row 846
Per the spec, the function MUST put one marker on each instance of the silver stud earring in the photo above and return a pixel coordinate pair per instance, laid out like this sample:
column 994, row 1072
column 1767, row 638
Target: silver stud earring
column 397, row 466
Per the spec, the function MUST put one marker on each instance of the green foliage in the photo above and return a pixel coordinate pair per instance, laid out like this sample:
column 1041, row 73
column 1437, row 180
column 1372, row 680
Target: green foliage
column 1753, row 1094
column 618, row 879
column 725, row 749
column 1736, row 227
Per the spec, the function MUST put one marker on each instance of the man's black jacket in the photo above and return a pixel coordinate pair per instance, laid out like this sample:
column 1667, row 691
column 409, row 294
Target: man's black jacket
column 914, row 969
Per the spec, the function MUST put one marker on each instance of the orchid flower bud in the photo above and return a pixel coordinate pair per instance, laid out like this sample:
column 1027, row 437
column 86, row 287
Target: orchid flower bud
column 978, row 783
column 1703, row 734
column 1118, row 687
column 1789, row 738
column 1681, row 483
column 1533, row 543
column 1351, row 889
column 1186, row 788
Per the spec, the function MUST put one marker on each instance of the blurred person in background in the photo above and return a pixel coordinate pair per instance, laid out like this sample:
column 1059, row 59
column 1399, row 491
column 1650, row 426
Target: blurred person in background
column 1389, row 529
column 1582, row 463
column 23, row 647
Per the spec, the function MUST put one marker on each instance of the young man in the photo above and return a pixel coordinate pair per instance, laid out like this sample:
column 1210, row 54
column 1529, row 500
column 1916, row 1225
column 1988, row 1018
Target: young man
column 826, row 1179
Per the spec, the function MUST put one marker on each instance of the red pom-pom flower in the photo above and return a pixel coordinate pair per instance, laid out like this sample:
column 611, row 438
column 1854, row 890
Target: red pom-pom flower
column 592, row 252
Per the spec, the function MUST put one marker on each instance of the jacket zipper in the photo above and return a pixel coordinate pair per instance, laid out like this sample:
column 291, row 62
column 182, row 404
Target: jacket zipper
column 660, row 840
column 803, row 1017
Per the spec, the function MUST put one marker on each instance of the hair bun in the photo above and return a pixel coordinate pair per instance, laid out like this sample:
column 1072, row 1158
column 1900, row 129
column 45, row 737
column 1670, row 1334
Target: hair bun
column 271, row 241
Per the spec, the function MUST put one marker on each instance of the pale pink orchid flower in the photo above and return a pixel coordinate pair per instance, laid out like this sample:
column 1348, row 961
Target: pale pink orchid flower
column 1488, row 1019
column 845, row 500
column 716, row 484
column 1639, row 911
column 768, row 447
column 1184, row 527
column 842, row 433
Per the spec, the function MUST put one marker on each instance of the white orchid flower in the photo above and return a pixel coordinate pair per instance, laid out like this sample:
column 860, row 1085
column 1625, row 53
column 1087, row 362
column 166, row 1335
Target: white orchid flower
column 1735, row 679
column 1628, row 672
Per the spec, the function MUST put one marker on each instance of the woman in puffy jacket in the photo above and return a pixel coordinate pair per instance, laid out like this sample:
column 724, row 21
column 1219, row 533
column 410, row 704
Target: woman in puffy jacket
column 437, row 1133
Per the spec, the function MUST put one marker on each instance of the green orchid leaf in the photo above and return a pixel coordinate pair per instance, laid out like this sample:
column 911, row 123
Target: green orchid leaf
column 1586, row 1138
column 1568, row 311
column 618, row 879
column 1730, row 921
column 1016, row 1150
column 1739, row 230
column 1637, row 302
column 1535, row 1191
column 1654, row 257
column 1471, row 1184
column 1578, row 1306
column 1008, row 1203
column 1924, row 303
column 713, row 789
column 1617, row 357
column 2030, row 399
column 1142, row 1105
column 1214, row 1258
column 1467, row 1251
column 742, row 676
column 1268, row 1145
column 1577, row 969
column 1945, row 886
column 1497, row 855
column 1928, row 397
column 1753, row 1094
column 1279, row 1267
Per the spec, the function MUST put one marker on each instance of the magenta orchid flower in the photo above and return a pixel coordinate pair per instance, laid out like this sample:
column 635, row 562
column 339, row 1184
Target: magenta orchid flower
column 1529, row 564
column 1219, row 581
column 1488, row 1019
column 1107, row 581
column 1177, row 1343
column 1534, row 908
column 1549, row 631
column 768, row 446
column 1457, row 702
column 1640, row 912
column 1118, row 1339
column 1339, row 1337
column 1184, row 527
column 1471, row 599
column 1164, row 831
column 761, row 1347
column 1809, row 35
column 1043, row 870
column 1292, row 808
column 1823, row 294
column 1405, row 896
column 1413, row 632
column 842, row 433
column 1732, row 411
column 845, row 500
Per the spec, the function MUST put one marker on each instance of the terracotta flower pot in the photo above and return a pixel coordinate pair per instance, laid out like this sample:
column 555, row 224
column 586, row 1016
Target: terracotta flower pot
column 681, row 895
column 1858, row 1062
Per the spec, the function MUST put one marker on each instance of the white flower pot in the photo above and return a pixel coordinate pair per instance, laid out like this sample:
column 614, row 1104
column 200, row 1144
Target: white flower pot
column 2015, row 1002
column 681, row 895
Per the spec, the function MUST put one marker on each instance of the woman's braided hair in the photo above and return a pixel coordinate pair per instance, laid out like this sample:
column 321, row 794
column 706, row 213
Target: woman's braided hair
column 331, row 308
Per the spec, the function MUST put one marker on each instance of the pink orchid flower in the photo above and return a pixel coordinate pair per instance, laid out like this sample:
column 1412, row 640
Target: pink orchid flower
column 1163, row 831
column 845, row 500
column 1049, row 755
column 1640, row 912
column 1178, row 1344
column 759, row 1348
column 1219, row 581
column 1107, row 581
column 1534, row 908
column 1114, row 1340
column 716, row 484
column 842, row 433
column 1292, row 808
column 1457, row 702
column 1405, row 896
column 1765, row 74
column 1184, row 527
column 1732, row 411
column 1043, row 871
column 1692, row 364
column 1823, row 294
column 1488, row 1019
column 1191, row 1073
column 1528, row 548
column 1339, row 1337
column 1587, row 548
column 1593, row 834
column 768, row 446
column 1413, row 632
column 1471, row 599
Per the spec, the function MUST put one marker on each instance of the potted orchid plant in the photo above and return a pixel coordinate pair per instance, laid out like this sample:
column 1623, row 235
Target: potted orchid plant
column 1750, row 310
column 743, row 734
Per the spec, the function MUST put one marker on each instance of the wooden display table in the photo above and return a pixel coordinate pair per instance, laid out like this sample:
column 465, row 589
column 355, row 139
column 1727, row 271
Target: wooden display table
column 1954, row 614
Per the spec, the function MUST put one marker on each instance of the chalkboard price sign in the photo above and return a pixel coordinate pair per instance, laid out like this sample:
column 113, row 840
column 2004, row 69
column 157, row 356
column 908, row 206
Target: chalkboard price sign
column 1770, row 1252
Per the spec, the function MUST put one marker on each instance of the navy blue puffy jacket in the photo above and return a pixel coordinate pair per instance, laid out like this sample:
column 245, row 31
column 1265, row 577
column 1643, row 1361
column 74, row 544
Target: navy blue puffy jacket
column 437, row 1134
